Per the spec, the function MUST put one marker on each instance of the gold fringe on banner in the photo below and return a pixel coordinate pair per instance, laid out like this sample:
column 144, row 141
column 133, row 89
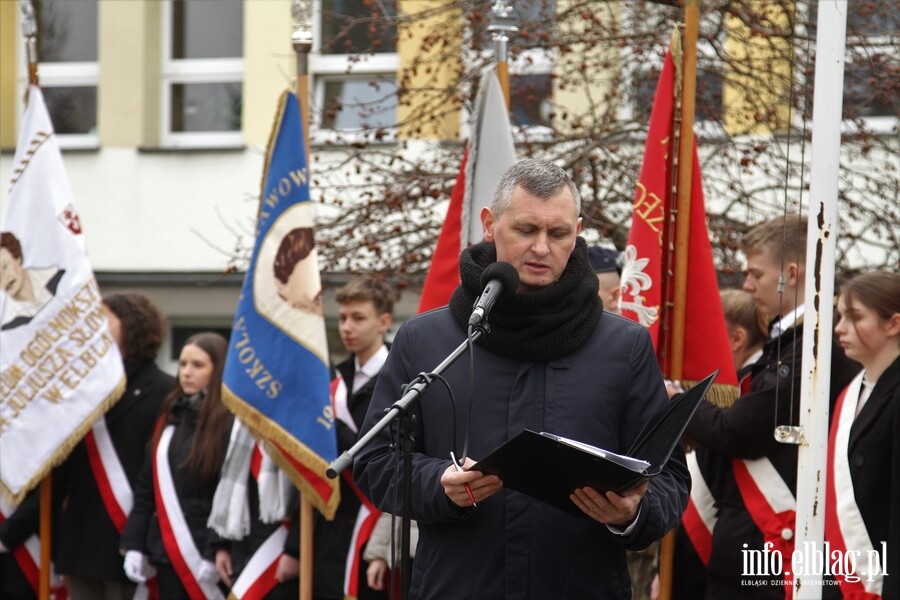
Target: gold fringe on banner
column 271, row 432
column 62, row 452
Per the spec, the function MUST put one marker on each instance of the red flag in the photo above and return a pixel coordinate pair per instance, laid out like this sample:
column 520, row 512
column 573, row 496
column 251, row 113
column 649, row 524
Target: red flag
column 488, row 154
column 645, row 282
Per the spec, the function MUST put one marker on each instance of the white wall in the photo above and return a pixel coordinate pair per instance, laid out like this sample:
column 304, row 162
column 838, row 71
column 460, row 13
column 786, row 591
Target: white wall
column 148, row 211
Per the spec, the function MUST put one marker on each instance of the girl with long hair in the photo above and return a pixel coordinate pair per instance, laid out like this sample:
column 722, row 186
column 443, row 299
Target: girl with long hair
column 166, row 531
column 862, row 503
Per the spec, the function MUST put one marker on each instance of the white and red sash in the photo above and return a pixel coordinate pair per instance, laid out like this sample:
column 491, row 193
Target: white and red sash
column 700, row 516
column 844, row 525
column 339, row 402
column 771, row 505
column 28, row 554
column 258, row 576
column 176, row 535
column 362, row 531
column 115, row 491
column 368, row 514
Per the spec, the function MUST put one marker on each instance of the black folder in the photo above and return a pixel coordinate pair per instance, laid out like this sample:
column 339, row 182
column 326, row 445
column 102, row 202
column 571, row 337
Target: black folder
column 549, row 468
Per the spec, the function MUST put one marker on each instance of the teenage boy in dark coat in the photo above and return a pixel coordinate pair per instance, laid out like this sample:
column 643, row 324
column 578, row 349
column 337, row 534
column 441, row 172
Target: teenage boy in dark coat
column 743, row 434
column 365, row 316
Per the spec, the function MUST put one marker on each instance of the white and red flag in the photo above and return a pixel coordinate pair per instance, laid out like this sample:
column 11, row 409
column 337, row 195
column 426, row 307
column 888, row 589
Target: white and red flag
column 488, row 154
column 60, row 368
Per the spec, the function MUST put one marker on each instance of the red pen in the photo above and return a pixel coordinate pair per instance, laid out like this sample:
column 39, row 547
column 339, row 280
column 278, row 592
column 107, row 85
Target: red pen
column 466, row 485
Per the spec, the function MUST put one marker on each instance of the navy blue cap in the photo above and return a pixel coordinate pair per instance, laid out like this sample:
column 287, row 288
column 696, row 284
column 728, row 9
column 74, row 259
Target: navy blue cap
column 604, row 260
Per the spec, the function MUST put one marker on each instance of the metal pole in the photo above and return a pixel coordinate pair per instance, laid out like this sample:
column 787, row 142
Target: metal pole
column 29, row 32
column 818, row 318
column 501, row 28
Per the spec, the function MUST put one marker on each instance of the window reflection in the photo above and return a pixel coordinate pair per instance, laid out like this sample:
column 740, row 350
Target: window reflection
column 68, row 30
column 73, row 110
column 358, row 26
column 204, row 29
column 708, row 98
column 206, row 107
column 356, row 103
column 530, row 97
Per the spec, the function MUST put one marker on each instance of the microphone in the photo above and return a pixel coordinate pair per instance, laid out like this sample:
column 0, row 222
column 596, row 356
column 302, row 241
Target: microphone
column 499, row 280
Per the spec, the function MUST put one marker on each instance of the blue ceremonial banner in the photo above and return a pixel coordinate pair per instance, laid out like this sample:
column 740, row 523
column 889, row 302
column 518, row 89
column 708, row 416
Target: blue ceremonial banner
column 276, row 375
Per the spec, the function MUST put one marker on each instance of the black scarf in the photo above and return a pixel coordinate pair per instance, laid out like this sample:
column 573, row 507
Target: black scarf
column 534, row 326
column 186, row 407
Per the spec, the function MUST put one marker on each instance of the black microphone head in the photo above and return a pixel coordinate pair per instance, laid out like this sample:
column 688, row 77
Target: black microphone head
column 506, row 274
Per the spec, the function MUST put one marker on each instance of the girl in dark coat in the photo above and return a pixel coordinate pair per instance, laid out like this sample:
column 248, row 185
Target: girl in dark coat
column 88, row 549
column 862, row 504
column 166, row 531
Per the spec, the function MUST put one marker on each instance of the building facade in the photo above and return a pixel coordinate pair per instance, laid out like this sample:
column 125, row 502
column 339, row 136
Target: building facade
column 164, row 108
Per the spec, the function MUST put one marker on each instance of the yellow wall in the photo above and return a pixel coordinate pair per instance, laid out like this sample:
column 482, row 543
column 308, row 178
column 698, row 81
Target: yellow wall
column 9, row 56
column 597, row 88
column 755, row 94
column 128, row 52
column 426, row 84
column 270, row 65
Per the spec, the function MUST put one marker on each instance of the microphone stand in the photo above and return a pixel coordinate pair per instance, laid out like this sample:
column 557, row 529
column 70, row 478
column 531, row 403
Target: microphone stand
column 400, row 411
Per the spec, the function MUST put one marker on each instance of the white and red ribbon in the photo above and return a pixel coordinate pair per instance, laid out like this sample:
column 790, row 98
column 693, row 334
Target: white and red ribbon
column 700, row 516
column 28, row 554
column 176, row 535
column 258, row 576
column 844, row 526
column 771, row 505
column 115, row 491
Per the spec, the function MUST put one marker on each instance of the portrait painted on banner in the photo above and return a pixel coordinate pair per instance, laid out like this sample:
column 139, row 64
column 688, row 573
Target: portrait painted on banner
column 286, row 286
column 294, row 270
column 25, row 290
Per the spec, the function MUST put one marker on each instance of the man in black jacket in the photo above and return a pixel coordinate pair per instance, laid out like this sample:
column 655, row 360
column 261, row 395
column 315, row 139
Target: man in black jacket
column 365, row 316
column 553, row 361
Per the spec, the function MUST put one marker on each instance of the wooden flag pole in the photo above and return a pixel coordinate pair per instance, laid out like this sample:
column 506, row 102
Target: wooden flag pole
column 44, row 534
column 29, row 32
column 682, row 231
column 685, row 172
column 301, row 40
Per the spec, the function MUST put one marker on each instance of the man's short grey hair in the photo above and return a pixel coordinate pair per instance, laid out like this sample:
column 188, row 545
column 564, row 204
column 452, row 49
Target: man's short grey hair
column 538, row 177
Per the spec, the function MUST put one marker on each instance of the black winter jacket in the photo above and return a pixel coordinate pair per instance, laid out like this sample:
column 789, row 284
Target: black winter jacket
column 142, row 531
column 88, row 541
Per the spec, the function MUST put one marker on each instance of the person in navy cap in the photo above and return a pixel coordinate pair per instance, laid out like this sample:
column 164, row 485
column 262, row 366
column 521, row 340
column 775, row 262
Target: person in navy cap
column 605, row 263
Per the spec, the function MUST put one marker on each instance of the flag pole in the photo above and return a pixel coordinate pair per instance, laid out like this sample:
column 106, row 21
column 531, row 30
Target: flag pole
column 29, row 32
column 301, row 39
column 821, row 240
column 685, row 172
column 501, row 28
column 682, row 232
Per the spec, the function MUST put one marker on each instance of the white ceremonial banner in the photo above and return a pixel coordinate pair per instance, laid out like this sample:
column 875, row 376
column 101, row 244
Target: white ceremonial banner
column 60, row 368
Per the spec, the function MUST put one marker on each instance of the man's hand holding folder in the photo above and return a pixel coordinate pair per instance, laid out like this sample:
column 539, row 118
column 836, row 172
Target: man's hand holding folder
column 611, row 509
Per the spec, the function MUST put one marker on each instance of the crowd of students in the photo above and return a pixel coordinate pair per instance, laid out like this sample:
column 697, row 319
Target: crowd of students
column 134, row 500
